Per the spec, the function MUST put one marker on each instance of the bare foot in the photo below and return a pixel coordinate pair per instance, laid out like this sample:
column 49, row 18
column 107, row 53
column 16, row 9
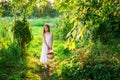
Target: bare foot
column 46, row 66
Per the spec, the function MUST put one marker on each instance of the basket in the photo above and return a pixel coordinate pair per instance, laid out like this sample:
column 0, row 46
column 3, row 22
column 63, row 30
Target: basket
column 50, row 54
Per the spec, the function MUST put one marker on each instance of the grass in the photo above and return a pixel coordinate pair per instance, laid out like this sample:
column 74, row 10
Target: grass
column 35, row 44
column 30, row 68
column 14, row 67
column 34, row 50
column 42, row 21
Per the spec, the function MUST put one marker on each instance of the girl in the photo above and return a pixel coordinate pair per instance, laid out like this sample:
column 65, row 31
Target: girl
column 47, row 44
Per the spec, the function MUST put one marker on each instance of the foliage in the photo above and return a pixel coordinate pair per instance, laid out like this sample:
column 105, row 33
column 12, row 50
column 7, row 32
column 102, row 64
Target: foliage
column 95, row 71
column 16, row 7
column 33, row 8
column 96, row 65
column 63, row 27
column 19, row 8
column 91, row 19
column 44, row 10
column 35, row 45
column 14, row 67
column 1, row 10
column 5, row 29
column 9, row 57
column 8, row 51
column 94, row 21
column 61, row 53
column 100, row 61
column 22, row 32
column 40, row 22
column 6, row 8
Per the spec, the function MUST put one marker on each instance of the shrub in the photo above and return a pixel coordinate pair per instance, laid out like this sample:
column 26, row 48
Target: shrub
column 10, row 60
column 63, row 27
column 105, row 70
column 90, row 20
column 61, row 52
column 22, row 32
column 100, row 62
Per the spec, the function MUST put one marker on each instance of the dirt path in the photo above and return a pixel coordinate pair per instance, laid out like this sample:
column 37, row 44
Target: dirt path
column 36, row 70
column 47, row 73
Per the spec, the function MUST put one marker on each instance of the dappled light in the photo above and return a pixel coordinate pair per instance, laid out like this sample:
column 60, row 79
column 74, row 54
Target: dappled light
column 82, row 35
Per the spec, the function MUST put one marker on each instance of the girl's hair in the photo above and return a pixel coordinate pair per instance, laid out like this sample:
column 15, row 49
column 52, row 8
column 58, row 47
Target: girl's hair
column 46, row 25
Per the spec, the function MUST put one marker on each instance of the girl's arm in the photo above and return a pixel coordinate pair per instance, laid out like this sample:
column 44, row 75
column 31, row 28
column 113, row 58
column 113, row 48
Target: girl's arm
column 52, row 41
column 45, row 41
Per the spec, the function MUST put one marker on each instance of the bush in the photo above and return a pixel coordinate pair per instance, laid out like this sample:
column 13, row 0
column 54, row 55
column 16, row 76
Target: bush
column 11, row 62
column 13, row 52
column 100, row 62
column 63, row 27
column 91, row 71
column 89, row 20
column 22, row 33
column 61, row 52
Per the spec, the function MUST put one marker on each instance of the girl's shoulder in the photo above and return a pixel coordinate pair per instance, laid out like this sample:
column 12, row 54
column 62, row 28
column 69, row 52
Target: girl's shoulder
column 50, row 33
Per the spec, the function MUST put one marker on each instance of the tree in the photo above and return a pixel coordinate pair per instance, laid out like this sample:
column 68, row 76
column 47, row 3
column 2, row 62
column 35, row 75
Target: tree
column 91, row 19
column 21, row 29
column 44, row 10
column 22, row 33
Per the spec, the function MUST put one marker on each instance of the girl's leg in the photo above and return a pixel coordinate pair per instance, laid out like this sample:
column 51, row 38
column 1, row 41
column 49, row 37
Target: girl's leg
column 45, row 65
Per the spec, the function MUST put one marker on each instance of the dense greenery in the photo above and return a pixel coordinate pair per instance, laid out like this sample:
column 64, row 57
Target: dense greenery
column 94, row 29
column 100, row 63
column 86, row 39
column 91, row 19
column 15, row 67
column 22, row 33
column 17, row 8
column 42, row 9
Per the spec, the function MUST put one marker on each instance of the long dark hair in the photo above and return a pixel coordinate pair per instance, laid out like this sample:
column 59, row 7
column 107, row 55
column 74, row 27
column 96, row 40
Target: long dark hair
column 46, row 25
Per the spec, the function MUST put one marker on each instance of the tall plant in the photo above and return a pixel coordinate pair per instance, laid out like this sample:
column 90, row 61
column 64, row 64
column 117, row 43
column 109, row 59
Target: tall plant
column 21, row 28
column 91, row 19
column 22, row 32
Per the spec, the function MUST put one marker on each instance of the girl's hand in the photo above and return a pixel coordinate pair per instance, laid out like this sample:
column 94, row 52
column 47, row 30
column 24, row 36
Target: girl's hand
column 49, row 48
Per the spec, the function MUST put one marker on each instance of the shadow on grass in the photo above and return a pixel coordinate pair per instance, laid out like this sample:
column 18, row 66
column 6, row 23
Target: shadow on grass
column 15, row 67
column 48, row 73
column 12, row 66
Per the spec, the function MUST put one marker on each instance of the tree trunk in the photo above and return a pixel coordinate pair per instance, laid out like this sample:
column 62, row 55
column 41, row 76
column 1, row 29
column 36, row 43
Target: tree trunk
column 23, row 49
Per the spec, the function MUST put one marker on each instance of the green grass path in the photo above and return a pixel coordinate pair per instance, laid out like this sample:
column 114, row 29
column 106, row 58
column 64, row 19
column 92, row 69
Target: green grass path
column 36, row 69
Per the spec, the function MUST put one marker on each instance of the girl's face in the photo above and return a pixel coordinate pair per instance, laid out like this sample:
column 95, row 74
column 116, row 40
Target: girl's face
column 46, row 29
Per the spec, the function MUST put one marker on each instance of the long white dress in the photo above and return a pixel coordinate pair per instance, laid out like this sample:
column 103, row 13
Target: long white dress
column 48, row 38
